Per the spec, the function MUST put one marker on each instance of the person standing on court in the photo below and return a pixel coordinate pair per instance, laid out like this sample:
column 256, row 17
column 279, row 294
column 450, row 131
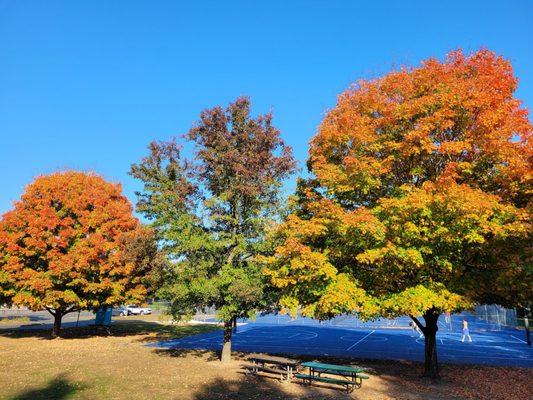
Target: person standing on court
column 466, row 332
column 448, row 320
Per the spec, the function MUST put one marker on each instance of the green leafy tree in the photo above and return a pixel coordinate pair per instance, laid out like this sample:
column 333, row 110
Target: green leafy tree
column 211, row 212
column 420, row 202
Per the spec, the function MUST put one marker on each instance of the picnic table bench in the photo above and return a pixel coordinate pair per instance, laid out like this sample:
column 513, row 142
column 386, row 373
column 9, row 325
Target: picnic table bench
column 344, row 375
column 284, row 367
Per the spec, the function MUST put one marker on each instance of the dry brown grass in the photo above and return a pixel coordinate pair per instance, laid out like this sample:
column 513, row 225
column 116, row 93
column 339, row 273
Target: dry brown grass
column 13, row 320
column 81, row 366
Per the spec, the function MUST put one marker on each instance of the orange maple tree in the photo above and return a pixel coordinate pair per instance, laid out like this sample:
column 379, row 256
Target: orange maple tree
column 420, row 201
column 61, row 246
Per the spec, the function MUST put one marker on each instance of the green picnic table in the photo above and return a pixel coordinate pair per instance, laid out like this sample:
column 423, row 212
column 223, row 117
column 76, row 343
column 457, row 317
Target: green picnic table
column 344, row 375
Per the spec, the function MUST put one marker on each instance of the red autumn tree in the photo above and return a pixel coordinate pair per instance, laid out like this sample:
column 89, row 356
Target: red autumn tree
column 62, row 246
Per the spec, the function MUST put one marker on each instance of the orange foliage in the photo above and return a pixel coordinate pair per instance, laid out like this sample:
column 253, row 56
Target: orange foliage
column 456, row 119
column 60, row 246
column 422, row 191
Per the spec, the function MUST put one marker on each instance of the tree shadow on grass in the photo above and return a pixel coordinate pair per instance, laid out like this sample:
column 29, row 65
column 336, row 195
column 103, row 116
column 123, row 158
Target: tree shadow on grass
column 209, row 355
column 152, row 330
column 265, row 388
column 57, row 389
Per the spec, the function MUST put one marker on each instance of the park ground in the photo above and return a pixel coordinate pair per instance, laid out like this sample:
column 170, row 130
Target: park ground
column 120, row 366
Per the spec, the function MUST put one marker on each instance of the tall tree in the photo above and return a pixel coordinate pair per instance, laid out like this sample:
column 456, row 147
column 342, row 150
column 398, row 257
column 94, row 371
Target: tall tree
column 420, row 200
column 61, row 247
column 211, row 211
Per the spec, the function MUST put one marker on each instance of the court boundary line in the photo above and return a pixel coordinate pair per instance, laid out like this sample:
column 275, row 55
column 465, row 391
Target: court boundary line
column 359, row 341
column 514, row 337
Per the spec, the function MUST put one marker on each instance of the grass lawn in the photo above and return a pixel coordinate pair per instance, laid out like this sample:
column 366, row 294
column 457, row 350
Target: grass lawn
column 81, row 366
column 11, row 320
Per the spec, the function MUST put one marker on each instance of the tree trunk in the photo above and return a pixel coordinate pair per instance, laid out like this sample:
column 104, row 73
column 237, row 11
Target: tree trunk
column 431, row 366
column 226, row 348
column 234, row 324
column 58, row 315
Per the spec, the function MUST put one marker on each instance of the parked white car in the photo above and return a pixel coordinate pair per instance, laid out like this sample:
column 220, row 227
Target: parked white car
column 132, row 309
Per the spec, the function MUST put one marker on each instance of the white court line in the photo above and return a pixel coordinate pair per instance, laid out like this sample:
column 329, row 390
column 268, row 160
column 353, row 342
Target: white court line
column 523, row 341
column 359, row 341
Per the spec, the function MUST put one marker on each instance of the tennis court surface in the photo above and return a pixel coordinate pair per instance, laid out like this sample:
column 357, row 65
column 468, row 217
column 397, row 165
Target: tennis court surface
column 349, row 338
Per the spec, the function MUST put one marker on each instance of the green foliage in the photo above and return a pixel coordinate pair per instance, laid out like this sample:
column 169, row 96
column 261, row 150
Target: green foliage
column 210, row 213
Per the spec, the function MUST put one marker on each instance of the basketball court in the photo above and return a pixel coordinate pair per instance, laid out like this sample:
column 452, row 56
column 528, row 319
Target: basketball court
column 378, row 340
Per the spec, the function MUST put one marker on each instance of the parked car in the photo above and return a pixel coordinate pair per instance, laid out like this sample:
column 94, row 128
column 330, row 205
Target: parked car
column 122, row 311
column 132, row 309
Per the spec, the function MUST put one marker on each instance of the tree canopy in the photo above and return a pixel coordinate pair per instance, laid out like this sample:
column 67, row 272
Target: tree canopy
column 420, row 199
column 62, row 246
column 211, row 211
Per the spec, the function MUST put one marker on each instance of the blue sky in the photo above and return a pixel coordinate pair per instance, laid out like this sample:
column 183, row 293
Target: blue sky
column 88, row 84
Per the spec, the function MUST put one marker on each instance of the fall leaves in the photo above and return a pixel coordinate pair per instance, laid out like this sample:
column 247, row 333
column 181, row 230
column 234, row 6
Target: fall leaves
column 420, row 201
column 456, row 119
column 61, row 245
column 211, row 210
column 423, row 180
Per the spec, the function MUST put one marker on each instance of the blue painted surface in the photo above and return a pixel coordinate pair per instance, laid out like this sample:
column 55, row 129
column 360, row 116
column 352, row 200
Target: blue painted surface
column 270, row 334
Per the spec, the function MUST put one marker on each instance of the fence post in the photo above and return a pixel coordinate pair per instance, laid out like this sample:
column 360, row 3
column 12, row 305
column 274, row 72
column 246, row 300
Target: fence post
column 526, row 324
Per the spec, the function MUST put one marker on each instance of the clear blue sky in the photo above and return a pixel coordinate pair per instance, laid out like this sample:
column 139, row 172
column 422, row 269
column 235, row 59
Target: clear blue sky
column 88, row 84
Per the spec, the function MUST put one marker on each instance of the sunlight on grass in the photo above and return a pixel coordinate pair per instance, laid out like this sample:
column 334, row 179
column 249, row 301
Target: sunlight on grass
column 14, row 320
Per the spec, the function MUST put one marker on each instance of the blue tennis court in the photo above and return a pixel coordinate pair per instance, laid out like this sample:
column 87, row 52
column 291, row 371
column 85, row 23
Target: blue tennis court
column 376, row 340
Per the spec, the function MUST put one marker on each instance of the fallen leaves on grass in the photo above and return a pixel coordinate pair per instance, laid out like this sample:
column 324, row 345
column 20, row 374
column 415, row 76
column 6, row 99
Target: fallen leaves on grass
column 477, row 382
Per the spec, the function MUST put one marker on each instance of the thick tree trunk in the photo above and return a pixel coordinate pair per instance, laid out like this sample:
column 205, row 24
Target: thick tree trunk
column 234, row 324
column 226, row 347
column 58, row 315
column 431, row 366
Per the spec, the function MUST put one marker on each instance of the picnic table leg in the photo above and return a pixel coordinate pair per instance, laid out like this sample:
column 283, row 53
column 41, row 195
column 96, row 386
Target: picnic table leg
column 355, row 383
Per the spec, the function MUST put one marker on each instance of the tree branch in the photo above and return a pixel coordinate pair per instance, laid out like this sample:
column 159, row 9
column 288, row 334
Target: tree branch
column 69, row 310
column 417, row 322
column 50, row 311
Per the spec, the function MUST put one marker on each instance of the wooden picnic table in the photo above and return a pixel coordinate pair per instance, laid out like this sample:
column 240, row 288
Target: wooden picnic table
column 285, row 367
column 345, row 375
